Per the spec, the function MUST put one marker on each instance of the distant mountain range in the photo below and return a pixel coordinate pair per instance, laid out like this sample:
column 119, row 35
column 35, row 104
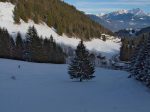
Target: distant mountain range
column 132, row 32
column 123, row 19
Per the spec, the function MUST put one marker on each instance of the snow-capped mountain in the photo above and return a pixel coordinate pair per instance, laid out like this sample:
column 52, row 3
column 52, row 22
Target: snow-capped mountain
column 137, row 12
column 123, row 11
column 108, row 48
column 100, row 14
column 123, row 19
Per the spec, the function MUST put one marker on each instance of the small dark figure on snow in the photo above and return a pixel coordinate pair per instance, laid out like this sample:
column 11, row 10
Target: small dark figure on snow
column 19, row 66
column 129, row 76
column 13, row 77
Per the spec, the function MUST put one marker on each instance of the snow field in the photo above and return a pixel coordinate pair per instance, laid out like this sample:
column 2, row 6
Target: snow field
column 47, row 88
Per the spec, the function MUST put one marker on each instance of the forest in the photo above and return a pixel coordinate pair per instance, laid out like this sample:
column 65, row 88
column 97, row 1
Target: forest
column 129, row 46
column 33, row 48
column 60, row 15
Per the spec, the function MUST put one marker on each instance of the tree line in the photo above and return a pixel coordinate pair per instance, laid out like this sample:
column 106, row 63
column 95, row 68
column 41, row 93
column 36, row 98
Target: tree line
column 60, row 15
column 33, row 48
column 140, row 61
column 129, row 46
column 129, row 43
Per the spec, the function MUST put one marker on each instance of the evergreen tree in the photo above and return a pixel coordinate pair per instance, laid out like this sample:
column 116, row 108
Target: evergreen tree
column 126, row 49
column 16, row 17
column 52, row 52
column 140, row 61
column 42, row 50
column 33, row 48
column 33, row 44
column 81, row 68
column 137, row 60
column 5, row 44
column 46, row 50
column 19, row 47
column 12, row 49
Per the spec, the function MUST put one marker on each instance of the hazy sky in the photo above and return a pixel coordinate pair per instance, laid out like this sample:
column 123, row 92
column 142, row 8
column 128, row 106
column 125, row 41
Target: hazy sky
column 104, row 6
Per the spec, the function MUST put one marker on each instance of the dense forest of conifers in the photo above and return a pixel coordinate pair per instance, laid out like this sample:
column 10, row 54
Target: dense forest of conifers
column 129, row 46
column 130, row 43
column 33, row 48
column 58, row 14
column 140, row 61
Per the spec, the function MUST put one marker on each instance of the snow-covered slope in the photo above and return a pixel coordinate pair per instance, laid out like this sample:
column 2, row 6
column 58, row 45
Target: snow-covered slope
column 109, row 48
column 47, row 88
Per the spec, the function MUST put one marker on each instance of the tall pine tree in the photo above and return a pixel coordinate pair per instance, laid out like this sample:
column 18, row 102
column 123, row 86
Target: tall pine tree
column 33, row 44
column 19, row 47
column 81, row 68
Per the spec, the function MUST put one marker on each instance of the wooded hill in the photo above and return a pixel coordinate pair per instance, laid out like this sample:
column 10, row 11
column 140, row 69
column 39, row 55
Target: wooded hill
column 60, row 15
column 129, row 45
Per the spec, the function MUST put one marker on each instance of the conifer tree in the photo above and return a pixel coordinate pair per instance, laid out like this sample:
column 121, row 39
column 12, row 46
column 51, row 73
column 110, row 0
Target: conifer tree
column 140, row 62
column 53, row 52
column 5, row 43
column 19, row 47
column 137, row 60
column 42, row 50
column 16, row 17
column 33, row 43
column 81, row 68
column 12, row 49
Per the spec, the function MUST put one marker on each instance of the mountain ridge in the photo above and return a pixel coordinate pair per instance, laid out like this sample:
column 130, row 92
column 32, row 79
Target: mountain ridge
column 123, row 19
column 135, row 11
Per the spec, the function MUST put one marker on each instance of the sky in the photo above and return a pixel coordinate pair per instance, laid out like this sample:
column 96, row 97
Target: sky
column 106, row 6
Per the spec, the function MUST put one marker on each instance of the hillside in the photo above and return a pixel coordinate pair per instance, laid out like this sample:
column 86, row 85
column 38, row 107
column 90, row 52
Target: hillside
column 132, row 32
column 108, row 48
column 55, row 13
column 130, row 43
column 143, row 31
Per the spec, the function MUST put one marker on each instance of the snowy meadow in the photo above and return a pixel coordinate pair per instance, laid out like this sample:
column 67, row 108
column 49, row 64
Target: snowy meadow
column 48, row 88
